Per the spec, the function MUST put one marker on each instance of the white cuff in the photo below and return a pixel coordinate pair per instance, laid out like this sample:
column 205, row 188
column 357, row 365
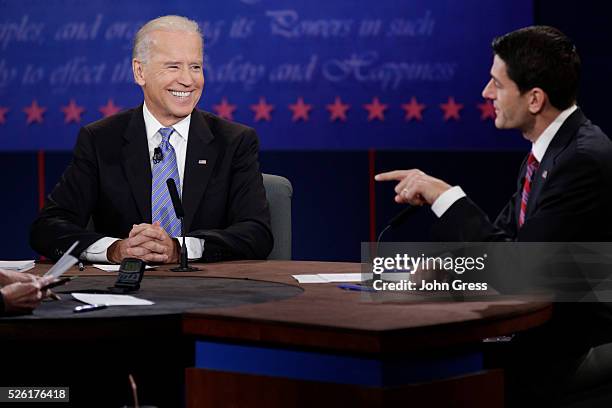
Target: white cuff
column 96, row 252
column 195, row 246
column 447, row 199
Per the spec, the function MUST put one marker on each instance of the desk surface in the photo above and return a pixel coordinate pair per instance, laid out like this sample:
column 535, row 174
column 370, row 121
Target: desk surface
column 321, row 316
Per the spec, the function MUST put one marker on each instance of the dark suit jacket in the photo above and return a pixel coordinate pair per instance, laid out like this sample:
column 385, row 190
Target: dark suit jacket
column 109, row 181
column 570, row 198
column 570, row 201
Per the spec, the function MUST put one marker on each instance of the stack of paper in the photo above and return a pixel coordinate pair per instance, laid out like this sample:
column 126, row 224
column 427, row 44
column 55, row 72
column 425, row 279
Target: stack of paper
column 17, row 266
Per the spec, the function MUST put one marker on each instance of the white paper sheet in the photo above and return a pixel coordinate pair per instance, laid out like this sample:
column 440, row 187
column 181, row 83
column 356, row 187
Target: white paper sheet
column 17, row 266
column 331, row 278
column 114, row 268
column 111, row 300
column 343, row 277
column 309, row 279
column 64, row 263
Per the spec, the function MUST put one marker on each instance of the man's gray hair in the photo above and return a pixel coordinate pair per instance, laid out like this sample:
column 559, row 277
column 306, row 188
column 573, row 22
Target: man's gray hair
column 143, row 41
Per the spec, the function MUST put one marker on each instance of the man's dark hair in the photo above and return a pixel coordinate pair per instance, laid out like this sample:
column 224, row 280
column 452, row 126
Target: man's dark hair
column 543, row 57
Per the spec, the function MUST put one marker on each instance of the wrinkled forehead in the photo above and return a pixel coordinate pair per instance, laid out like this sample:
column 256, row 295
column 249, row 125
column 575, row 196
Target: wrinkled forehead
column 175, row 43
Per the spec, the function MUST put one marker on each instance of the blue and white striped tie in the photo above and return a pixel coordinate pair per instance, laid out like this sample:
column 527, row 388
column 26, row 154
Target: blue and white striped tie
column 161, row 204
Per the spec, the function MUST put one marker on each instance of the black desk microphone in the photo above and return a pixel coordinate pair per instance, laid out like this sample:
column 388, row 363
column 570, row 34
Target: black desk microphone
column 180, row 213
column 394, row 222
column 398, row 219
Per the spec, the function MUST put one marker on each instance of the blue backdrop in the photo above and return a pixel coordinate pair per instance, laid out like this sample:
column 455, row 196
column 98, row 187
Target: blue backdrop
column 334, row 74
column 334, row 210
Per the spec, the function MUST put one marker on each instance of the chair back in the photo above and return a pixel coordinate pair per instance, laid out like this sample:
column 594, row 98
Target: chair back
column 279, row 192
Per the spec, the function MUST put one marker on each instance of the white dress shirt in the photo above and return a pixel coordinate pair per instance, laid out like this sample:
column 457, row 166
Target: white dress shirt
column 539, row 147
column 96, row 252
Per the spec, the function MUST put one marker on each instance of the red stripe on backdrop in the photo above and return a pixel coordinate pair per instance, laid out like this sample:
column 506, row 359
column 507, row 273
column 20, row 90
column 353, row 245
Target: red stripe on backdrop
column 371, row 173
column 41, row 178
column 40, row 159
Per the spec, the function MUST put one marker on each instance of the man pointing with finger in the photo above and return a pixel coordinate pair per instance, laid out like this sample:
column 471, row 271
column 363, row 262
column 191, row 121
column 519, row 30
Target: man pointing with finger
column 563, row 193
column 120, row 166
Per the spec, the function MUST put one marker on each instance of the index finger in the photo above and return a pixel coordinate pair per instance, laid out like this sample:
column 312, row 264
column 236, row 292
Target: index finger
column 391, row 175
column 45, row 280
column 25, row 277
column 34, row 285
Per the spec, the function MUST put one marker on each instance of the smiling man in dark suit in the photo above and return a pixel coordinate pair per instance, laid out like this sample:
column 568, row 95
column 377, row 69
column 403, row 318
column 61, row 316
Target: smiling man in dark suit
column 563, row 193
column 118, row 174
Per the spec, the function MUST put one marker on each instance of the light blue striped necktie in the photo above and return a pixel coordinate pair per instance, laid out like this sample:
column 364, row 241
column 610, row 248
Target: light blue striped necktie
column 161, row 204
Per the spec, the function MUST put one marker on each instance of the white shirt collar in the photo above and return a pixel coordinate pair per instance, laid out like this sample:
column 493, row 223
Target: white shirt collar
column 152, row 125
column 541, row 144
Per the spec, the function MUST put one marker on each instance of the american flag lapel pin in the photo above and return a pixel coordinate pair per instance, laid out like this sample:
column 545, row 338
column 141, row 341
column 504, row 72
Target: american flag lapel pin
column 202, row 162
column 545, row 174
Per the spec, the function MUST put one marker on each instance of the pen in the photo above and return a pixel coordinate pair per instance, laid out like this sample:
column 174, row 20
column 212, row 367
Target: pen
column 89, row 308
column 54, row 296
column 360, row 288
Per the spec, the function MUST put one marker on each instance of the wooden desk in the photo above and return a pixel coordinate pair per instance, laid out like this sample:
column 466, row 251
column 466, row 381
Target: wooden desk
column 327, row 346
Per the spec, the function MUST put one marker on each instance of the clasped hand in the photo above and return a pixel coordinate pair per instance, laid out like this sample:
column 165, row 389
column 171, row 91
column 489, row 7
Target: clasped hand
column 149, row 242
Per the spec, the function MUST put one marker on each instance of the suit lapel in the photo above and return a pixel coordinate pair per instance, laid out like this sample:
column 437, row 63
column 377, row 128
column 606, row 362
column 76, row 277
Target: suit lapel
column 199, row 164
column 136, row 163
column 564, row 135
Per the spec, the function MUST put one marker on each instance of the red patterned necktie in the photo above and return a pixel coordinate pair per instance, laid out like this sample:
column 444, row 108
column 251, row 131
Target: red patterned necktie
column 532, row 167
